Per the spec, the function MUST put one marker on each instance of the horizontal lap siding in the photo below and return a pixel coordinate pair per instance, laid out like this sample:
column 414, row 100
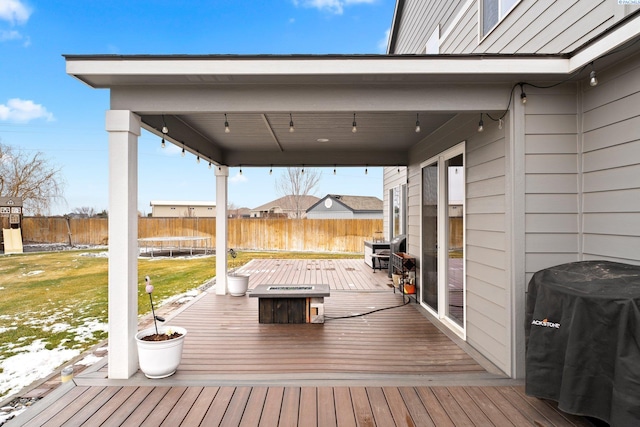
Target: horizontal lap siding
column 611, row 165
column 544, row 27
column 486, row 251
column 552, row 202
column 420, row 19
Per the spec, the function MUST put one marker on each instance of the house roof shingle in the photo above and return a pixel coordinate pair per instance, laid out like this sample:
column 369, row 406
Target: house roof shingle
column 287, row 203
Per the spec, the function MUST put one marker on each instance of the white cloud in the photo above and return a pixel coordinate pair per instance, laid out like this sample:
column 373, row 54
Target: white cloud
column 9, row 35
column 238, row 178
column 334, row 6
column 22, row 111
column 384, row 42
column 14, row 11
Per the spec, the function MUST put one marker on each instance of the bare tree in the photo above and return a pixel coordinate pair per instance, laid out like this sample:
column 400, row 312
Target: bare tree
column 298, row 183
column 85, row 212
column 31, row 177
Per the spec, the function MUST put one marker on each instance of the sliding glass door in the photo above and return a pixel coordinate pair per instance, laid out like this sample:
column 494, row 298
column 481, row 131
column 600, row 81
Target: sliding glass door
column 430, row 236
column 442, row 264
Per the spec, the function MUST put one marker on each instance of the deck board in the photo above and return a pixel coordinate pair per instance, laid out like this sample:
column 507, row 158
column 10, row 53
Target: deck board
column 388, row 368
column 145, row 408
column 309, row 407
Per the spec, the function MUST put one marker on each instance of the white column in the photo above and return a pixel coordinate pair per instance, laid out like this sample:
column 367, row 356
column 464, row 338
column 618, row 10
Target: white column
column 222, row 175
column 124, row 128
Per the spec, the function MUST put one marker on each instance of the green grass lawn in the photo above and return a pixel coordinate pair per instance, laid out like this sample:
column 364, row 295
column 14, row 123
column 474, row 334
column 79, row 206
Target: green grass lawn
column 60, row 298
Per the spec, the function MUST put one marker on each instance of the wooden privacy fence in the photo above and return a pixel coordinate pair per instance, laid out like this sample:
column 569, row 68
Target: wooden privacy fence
column 321, row 235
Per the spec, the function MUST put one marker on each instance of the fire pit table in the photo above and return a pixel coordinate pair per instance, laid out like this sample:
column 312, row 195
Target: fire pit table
column 291, row 303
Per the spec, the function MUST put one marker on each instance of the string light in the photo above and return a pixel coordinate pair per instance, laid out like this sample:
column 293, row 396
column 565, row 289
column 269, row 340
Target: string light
column 291, row 129
column 198, row 159
column 209, row 165
column 165, row 130
column 354, row 129
column 480, row 124
column 417, row 122
column 183, row 152
column 240, row 169
column 226, row 124
column 366, row 170
column 523, row 96
column 334, row 169
column 500, row 123
column 270, row 169
column 593, row 80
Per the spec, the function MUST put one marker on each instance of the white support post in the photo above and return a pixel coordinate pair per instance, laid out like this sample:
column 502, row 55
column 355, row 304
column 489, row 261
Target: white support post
column 222, row 175
column 124, row 128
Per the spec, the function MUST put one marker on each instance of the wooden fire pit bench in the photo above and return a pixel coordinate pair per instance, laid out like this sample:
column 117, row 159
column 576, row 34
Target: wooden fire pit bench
column 290, row 303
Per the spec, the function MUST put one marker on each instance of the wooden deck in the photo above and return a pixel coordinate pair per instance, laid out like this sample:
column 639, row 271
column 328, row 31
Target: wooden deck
column 392, row 367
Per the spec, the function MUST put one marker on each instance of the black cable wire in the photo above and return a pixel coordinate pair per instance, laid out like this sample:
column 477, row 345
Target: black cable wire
column 571, row 76
column 372, row 311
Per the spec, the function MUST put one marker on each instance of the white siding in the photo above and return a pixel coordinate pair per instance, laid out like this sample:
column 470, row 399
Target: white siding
column 552, row 202
column 542, row 26
column 611, row 165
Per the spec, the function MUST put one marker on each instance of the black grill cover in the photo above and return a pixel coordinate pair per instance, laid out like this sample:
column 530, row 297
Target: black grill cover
column 583, row 339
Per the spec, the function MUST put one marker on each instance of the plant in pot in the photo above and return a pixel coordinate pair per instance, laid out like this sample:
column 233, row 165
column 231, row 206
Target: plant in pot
column 236, row 283
column 159, row 348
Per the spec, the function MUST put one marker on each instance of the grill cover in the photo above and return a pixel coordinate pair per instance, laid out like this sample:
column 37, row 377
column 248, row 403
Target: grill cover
column 582, row 335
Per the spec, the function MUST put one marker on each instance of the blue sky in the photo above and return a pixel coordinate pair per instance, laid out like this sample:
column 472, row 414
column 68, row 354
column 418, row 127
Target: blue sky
column 43, row 109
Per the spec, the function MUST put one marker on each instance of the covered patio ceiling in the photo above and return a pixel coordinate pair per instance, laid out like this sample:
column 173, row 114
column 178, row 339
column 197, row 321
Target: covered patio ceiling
column 259, row 96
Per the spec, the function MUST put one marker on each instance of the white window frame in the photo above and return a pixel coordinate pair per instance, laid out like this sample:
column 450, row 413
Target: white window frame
column 501, row 16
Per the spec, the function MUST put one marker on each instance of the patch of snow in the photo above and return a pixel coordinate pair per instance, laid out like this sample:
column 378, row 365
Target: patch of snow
column 88, row 360
column 32, row 363
column 86, row 330
column 56, row 327
column 95, row 255
column 12, row 328
column 34, row 273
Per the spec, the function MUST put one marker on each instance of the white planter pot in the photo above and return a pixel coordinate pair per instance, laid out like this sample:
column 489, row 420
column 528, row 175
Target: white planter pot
column 238, row 284
column 160, row 359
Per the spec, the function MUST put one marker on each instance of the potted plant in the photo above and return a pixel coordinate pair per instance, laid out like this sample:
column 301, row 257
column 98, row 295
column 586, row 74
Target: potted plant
column 159, row 348
column 236, row 283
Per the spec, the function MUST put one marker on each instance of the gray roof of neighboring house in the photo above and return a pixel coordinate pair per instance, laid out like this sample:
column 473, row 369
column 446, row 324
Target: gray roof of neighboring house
column 287, row 203
column 355, row 203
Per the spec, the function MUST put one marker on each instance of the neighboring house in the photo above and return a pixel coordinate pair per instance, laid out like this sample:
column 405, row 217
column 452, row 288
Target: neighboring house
column 552, row 180
column 285, row 207
column 239, row 213
column 336, row 206
column 180, row 209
